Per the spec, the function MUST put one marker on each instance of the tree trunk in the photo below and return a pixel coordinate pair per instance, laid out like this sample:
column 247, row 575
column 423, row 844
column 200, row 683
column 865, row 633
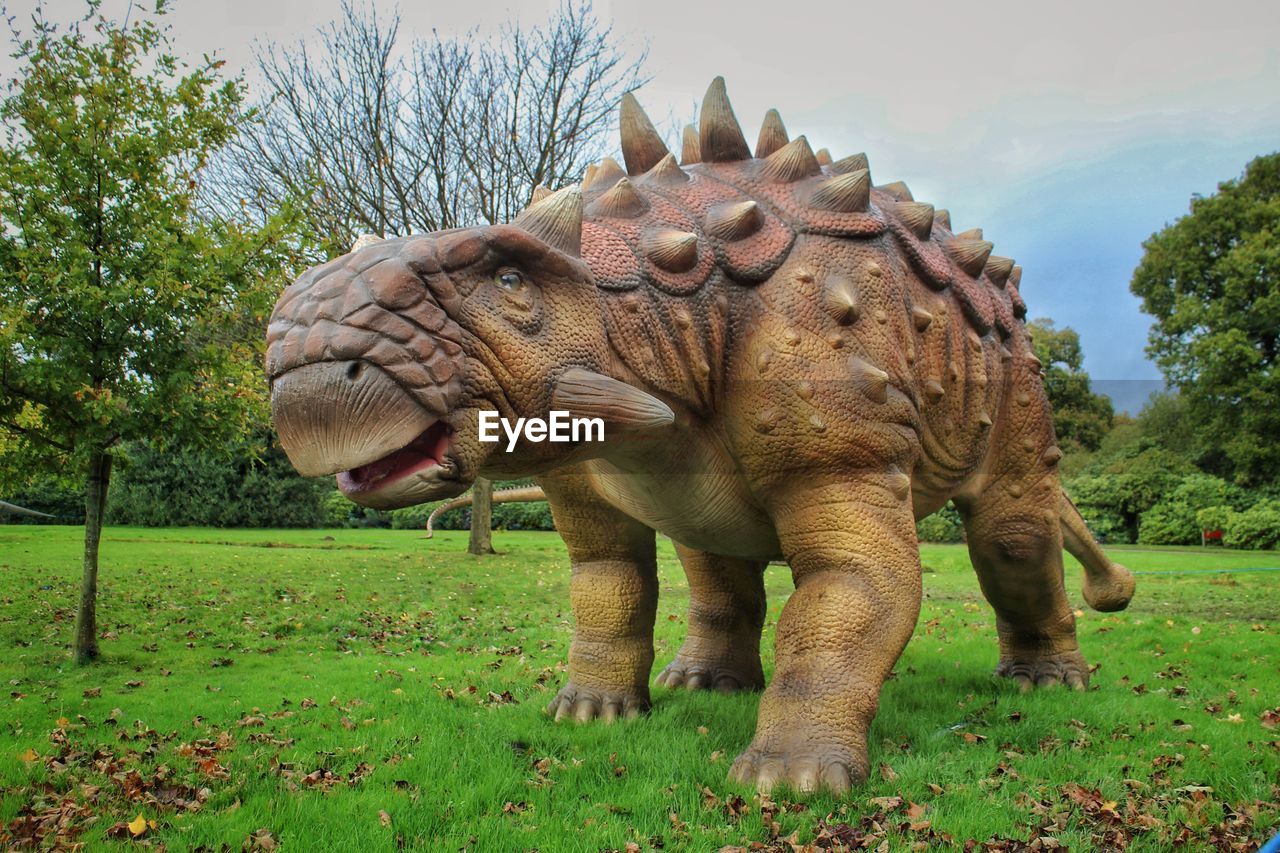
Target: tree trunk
column 95, row 501
column 481, row 517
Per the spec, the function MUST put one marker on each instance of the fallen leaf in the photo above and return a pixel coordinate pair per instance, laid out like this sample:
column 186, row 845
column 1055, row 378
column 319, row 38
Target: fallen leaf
column 138, row 825
column 887, row 804
column 30, row 756
column 384, row 818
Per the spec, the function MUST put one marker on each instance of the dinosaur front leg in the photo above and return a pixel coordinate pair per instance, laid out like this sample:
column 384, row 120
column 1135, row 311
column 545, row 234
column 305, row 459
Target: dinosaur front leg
column 726, row 615
column 614, row 591
column 1015, row 543
column 853, row 554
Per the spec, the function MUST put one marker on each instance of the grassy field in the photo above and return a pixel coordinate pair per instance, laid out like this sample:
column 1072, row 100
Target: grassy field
column 363, row 689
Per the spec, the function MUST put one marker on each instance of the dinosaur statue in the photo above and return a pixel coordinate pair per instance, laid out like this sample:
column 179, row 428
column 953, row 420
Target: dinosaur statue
column 790, row 363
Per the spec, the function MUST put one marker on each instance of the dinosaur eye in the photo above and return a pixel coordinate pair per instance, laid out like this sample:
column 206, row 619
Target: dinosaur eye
column 509, row 280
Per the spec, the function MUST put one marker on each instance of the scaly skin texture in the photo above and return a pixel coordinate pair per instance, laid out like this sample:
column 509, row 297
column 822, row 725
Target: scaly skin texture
column 791, row 363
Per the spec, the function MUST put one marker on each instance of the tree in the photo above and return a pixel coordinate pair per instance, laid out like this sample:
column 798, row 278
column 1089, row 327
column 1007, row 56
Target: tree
column 443, row 133
column 125, row 313
column 1080, row 417
column 1212, row 281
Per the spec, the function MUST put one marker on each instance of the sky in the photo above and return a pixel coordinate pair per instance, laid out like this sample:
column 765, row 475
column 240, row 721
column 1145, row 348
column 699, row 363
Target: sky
column 1069, row 132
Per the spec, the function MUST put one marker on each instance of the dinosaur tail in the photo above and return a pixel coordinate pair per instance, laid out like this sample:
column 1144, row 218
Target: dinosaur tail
column 519, row 494
column 1107, row 586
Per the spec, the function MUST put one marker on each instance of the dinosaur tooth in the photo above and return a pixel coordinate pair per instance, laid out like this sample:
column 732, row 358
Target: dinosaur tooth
column 720, row 136
column 667, row 172
column 942, row 216
column 969, row 254
column 918, row 216
column 690, row 146
column 824, row 157
column 556, row 220
column 621, row 201
column 933, row 390
column 840, row 299
column 852, row 163
column 847, row 193
column 642, row 147
column 734, row 221
column 792, row 162
column 998, row 269
column 608, row 173
column 673, row 251
column 897, row 190
column 971, row 234
column 587, row 394
column 773, row 135
column 922, row 318
column 984, row 420
column 871, row 380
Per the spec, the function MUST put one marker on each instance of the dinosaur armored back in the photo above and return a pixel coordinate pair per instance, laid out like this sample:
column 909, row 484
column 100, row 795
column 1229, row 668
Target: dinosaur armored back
column 790, row 362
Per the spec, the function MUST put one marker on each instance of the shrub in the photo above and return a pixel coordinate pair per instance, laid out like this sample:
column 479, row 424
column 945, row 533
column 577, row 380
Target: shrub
column 1258, row 527
column 1173, row 520
column 943, row 526
column 246, row 485
column 64, row 502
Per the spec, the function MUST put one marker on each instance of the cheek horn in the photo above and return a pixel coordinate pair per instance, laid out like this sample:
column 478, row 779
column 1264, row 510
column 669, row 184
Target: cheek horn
column 621, row 406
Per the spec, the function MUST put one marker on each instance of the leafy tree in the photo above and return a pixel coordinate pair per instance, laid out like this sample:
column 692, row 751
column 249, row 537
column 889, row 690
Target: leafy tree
column 1212, row 281
column 1080, row 417
column 124, row 314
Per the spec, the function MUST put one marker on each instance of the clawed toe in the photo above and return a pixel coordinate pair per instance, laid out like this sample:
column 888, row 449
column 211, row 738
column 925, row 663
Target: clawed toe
column 693, row 676
column 583, row 705
column 806, row 773
column 1029, row 673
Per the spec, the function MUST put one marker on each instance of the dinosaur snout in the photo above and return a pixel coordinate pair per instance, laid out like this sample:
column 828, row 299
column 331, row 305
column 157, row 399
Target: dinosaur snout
column 339, row 415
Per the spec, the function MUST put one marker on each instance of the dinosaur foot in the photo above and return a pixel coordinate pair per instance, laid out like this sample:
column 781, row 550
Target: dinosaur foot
column 727, row 676
column 1046, row 670
column 583, row 704
column 810, row 766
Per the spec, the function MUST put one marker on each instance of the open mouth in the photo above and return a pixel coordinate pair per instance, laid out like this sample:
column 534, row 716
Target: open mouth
column 425, row 451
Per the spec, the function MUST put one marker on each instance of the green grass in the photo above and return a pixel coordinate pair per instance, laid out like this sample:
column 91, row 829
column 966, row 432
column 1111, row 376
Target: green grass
column 344, row 689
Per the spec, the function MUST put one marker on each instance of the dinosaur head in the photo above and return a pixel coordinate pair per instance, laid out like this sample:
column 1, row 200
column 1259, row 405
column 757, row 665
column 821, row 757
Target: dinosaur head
column 382, row 361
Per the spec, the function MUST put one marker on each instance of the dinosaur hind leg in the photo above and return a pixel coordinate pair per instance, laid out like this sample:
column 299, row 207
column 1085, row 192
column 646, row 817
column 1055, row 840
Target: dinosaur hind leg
column 1015, row 544
column 1107, row 586
column 726, row 615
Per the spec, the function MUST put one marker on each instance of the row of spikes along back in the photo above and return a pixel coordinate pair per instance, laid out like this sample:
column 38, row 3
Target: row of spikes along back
column 556, row 217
